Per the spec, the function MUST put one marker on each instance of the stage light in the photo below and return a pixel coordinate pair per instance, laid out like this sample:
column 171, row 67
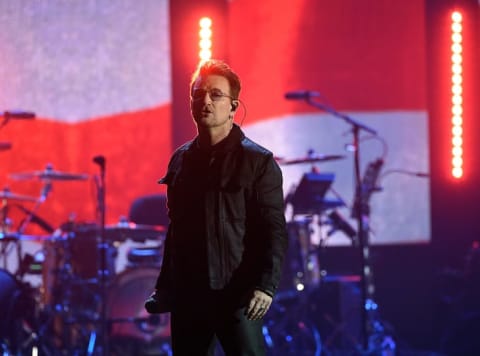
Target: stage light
column 205, row 22
column 457, row 151
column 457, row 172
column 457, row 110
column 456, row 68
column 205, row 42
column 457, row 130
column 456, row 27
column 457, row 141
column 457, row 120
column 457, row 100
column 457, row 92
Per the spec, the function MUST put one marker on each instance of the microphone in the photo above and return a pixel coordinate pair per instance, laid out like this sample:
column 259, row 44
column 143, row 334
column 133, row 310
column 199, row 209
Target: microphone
column 100, row 160
column 301, row 95
column 19, row 115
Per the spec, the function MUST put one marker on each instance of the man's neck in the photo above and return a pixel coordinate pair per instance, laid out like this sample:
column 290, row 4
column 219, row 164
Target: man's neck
column 208, row 137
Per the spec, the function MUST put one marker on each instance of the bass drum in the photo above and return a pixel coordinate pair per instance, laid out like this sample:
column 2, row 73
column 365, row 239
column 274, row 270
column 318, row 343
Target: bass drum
column 134, row 331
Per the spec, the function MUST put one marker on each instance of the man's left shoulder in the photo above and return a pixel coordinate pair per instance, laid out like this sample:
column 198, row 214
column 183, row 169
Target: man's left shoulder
column 253, row 148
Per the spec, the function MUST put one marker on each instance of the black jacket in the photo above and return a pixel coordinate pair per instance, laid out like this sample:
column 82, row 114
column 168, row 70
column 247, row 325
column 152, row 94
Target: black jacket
column 243, row 217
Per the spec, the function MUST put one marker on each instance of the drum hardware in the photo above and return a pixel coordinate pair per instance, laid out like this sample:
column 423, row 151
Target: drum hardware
column 338, row 223
column 6, row 195
column 30, row 265
column 15, row 239
column 309, row 204
column 289, row 328
column 367, row 187
column 100, row 185
column 34, row 218
column 73, row 314
column 71, row 295
column 371, row 326
column 309, row 196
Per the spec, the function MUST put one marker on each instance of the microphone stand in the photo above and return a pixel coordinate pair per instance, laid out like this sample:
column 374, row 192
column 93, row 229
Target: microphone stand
column 362, row 214
column 100, row 161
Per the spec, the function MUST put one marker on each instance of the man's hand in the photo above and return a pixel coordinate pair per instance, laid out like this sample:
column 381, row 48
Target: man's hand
column 158, row 302
column 258, row 305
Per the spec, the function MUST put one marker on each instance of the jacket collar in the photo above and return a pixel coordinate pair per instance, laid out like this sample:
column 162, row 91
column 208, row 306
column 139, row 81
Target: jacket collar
column 233, row 139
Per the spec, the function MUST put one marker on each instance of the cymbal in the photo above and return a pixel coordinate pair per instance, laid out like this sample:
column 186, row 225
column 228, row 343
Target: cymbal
column 48, row 174
column 7, row 194
column 310, row 159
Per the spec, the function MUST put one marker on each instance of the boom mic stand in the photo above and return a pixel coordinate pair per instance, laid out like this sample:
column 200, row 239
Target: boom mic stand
column 361, row 212
column 100, row 161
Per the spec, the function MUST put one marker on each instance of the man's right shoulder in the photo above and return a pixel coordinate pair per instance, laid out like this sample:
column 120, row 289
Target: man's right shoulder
column 185, row 147
column 179, row 151
column 175, row 162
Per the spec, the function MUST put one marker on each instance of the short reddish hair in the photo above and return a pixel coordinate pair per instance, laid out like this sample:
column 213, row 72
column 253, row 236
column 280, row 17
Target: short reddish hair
column 218, row 67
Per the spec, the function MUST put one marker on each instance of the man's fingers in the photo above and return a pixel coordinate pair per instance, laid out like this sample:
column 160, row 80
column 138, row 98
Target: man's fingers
column 258, row 305
column 257, row 310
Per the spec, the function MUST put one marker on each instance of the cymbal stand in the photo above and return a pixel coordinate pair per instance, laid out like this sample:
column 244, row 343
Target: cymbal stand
column 362, row 215
column 100, row 161
column 5, row 247
column 4, row 230
column 47, row 188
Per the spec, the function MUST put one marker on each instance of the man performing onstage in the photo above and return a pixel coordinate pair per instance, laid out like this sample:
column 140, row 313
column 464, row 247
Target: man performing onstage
column 227, row 236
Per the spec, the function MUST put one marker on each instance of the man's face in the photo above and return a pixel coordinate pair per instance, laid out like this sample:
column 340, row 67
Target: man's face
column 210, row 102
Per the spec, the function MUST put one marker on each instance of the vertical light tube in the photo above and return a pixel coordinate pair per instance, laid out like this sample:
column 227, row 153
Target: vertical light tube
column 205, row 39
column 457, row 94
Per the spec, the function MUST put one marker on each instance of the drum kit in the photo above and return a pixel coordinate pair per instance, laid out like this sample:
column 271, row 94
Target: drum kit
column 81, row 287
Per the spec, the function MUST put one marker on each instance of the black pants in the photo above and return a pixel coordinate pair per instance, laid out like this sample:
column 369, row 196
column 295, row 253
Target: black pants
column 200, row 318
